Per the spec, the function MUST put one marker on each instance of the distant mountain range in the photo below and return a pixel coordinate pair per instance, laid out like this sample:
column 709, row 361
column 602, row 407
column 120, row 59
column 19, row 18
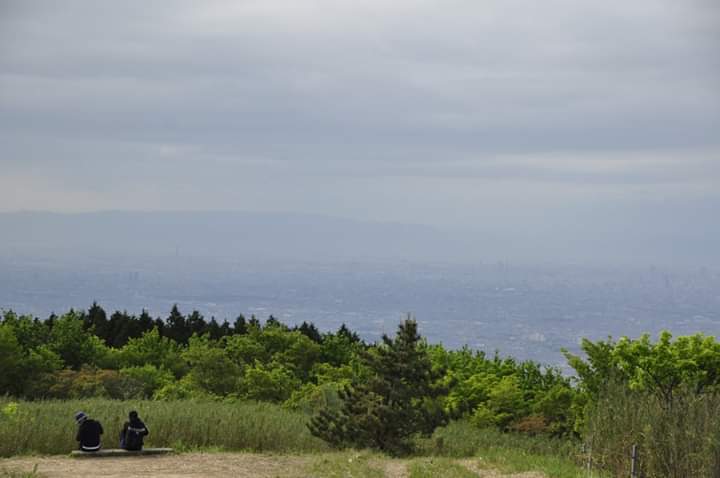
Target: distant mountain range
column 684, row 235
column 232, row 235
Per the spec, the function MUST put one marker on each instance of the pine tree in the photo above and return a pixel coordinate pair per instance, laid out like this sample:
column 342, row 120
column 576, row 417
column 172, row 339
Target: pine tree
column 254, row 323
column 160, row 325
column 196, row 323
column 225, row 329
column 397, row 402
column 177, row 327
column 213, row 329
column 121, row 327
column 352, row 337
column 310, row 331
column 273, row 322
column 240, row 326
column 145, row 322
column 96, row 320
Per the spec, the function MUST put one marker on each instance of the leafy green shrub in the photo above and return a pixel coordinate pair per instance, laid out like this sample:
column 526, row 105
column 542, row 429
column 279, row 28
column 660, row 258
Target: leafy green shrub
column 662, row 396
column 75, row 346
column 272, row 383
column 148, row 377
column 183, row 389
column 211, row 368
column 91, row 382
column 153, row 349
column 311, row 398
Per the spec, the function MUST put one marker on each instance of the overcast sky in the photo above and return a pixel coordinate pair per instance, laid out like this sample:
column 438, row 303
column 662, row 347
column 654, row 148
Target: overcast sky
column 560, row 117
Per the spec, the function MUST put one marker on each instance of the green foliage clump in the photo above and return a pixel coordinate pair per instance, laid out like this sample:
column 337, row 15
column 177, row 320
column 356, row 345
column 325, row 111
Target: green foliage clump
column 148, row 378
column 211, row 368
column 271, row 383
column 663, row 397
column 153, row 349
column 505, row 393
column 75, row 345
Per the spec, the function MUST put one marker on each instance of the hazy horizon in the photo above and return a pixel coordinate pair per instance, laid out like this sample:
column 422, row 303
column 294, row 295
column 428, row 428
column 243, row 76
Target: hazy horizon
column 301, row 237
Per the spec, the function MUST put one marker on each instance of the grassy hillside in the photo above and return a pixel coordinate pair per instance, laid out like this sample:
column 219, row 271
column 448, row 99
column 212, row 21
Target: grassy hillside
column 47, row 428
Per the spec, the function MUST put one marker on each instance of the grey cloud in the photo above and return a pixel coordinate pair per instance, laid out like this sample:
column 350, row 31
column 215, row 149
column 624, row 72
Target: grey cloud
column 420, row 110
column 489, row 73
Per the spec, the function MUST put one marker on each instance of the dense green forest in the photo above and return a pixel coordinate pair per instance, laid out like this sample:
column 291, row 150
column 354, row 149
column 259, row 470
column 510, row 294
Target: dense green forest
column 662, row 396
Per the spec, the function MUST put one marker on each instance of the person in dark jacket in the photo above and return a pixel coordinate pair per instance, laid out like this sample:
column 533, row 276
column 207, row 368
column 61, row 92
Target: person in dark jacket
column 89, row 431
column 132, row 433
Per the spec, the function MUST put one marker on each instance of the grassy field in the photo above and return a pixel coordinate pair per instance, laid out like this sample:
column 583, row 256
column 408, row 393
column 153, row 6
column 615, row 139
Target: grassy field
column 48, row 428
column 507, row 452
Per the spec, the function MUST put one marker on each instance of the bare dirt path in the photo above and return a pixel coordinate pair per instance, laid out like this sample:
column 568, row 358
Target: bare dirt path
column 208, row 465
column 473, row 465
column 242, row 465
column 396, row 469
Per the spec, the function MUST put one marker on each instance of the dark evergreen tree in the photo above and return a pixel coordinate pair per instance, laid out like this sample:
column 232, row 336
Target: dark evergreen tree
column 398, row 400
column 133, row 328
column 50, row 322
column 273, row 322
column 196, row 323
column 344, row 332
column 254, row 322
column 96, row 320
column 225, row 329
column 145, row 322
column 176, row 326
column 213, row 329
column 121, row 327
column 310, row 331
column 160, row 325
column 240, row 325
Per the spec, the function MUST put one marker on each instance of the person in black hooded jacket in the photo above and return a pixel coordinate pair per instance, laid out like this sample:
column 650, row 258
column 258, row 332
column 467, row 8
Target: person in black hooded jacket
column 88, row 433
column 132, row 433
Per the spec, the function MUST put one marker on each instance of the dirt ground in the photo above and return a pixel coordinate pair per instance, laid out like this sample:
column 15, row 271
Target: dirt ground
column 187, row 465
column 210, row 465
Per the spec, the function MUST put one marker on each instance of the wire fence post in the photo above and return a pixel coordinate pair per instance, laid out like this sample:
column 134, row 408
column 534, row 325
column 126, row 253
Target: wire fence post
column 634, row 468
column 588, row 450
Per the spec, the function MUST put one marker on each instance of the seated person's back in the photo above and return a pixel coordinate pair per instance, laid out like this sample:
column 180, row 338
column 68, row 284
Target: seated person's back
column 131, row 436
column 89, row 431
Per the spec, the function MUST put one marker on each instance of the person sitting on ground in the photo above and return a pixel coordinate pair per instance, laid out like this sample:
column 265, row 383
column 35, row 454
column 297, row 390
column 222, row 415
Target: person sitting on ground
column 88, row 433
column 132, row 433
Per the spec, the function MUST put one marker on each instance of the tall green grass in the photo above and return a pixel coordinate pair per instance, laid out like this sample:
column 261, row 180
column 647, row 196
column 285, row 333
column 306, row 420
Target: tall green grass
column 347, row 464
column 434, row 467
column 47, row 427
column 511, row 452
column 463, row 439
column 678, row 441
